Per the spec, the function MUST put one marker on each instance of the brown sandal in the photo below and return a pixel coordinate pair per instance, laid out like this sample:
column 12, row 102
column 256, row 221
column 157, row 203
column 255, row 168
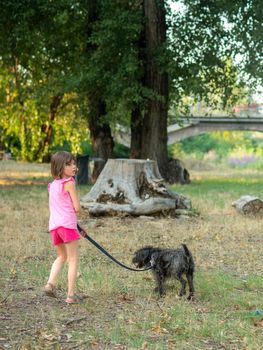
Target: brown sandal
column 49, row 290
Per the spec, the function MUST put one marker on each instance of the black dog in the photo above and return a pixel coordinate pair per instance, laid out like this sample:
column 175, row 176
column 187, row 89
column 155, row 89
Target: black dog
column 168, row 263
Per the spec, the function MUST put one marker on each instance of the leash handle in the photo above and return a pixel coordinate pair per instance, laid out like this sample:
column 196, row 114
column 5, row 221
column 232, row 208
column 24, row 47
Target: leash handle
column 84, row 234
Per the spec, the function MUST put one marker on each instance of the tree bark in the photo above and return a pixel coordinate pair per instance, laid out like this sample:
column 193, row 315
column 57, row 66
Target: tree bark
column 101, row 137
column 136, row 133
column 100, row 130
column 47, row 129
column 152, row 134
column 177, row 173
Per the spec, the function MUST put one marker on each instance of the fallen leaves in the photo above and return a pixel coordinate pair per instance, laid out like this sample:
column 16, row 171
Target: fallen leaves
column 257, row 321
column 124, row 297
column 158, row 329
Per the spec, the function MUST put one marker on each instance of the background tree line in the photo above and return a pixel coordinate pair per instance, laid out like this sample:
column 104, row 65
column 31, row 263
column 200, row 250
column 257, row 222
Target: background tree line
column 72, row 70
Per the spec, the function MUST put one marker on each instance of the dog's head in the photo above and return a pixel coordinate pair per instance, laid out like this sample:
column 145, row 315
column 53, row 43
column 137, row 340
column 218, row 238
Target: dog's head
column 142, row 257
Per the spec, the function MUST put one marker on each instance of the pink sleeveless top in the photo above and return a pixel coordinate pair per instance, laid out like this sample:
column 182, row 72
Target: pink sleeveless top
column 62, row 212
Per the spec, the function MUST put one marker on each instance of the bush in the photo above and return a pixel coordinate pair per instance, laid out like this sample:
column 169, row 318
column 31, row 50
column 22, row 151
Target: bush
column 244, row 147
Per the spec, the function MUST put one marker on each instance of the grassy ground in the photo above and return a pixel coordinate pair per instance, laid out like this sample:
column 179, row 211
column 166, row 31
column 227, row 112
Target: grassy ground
column 121, row 310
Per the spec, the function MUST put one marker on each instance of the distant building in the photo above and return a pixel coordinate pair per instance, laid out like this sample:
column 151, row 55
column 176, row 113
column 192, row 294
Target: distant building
column 249, row 109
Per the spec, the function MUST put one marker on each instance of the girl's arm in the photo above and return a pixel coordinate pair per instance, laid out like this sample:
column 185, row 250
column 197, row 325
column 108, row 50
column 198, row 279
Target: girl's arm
column 71, row 189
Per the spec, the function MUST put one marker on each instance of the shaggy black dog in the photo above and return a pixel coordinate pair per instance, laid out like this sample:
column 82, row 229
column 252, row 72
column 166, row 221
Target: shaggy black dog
column 168, row 263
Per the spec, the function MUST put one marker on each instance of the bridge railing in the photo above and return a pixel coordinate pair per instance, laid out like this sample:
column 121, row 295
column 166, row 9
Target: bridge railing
column 193, row 119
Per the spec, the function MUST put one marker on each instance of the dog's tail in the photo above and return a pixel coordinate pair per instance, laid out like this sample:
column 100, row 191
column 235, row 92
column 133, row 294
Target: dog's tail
column 187, row 252
column 189, row 257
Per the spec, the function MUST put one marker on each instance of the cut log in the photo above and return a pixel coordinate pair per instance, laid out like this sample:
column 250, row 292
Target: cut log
column 132, row 186
column 248, row 205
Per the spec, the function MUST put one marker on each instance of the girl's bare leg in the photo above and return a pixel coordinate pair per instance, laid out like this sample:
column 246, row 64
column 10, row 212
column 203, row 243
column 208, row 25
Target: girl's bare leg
column 57, row 264
column 72, row 256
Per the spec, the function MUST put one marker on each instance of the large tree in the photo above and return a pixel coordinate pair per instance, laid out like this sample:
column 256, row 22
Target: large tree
column 205, row 48
column 127, row 39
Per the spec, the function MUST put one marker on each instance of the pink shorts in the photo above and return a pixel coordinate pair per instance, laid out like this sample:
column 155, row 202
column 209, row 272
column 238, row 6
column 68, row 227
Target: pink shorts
column 64, row 235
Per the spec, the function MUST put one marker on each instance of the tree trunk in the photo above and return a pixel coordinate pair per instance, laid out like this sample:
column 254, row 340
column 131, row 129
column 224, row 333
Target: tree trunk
column 137, row 112
column 101, row 138
column 134, row 187
column 136, row 134
column 47, row 129
column 100, row 131
column 153, row 132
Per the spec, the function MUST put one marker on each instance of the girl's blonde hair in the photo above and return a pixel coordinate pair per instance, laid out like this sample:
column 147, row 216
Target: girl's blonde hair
column 58, row 162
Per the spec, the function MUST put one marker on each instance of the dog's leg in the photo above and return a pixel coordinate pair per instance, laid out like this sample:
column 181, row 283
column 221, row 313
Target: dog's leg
column 190, row 279
column 160, row 283
column 183, row 283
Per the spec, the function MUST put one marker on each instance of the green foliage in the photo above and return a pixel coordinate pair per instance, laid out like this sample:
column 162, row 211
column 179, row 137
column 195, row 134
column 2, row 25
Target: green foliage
column 220, row 144
column 121, row 151
column 70, row 126
column 199, row 146
column 21, row 134
column 22, row 123
column 86, row 147
column 215, row 48
column 201, row 143
column 38, row 60
column 113, row 68
column 87, row 51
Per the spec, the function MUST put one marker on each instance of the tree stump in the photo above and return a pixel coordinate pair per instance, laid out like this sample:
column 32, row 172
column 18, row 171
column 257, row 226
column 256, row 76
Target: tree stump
column 132, row 186
column 248, row 205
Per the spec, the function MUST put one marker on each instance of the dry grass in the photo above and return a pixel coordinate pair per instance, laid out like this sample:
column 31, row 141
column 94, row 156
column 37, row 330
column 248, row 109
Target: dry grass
column 122, row 312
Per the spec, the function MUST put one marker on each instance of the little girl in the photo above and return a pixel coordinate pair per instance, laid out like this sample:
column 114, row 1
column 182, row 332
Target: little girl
column 63, row 206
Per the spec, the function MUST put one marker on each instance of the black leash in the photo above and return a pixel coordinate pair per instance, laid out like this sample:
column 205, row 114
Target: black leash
column 104, row 251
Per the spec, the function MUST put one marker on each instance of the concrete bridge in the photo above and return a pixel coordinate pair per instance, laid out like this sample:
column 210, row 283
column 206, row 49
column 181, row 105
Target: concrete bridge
column 192, row 126
column 199, row 125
